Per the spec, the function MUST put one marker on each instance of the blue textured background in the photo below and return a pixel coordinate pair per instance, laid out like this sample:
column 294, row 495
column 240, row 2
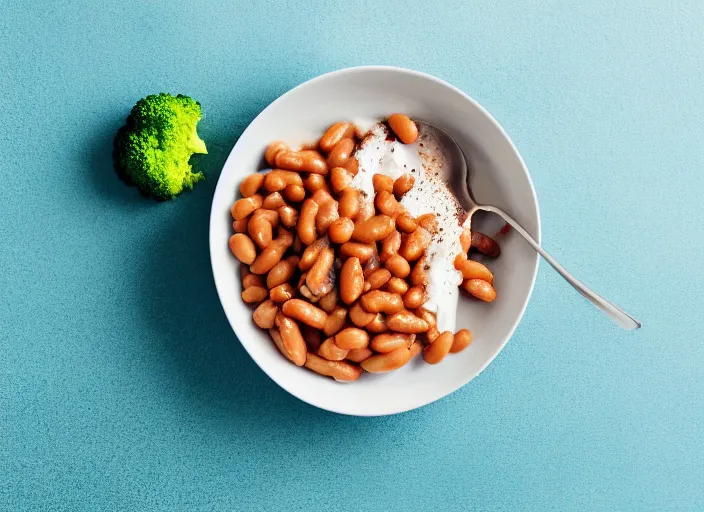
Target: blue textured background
column 122, row 386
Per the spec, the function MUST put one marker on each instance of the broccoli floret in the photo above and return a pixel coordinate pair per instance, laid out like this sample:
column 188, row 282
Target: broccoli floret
column 152, row 150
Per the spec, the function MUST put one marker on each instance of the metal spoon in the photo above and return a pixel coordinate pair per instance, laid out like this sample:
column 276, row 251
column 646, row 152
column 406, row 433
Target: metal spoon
column 455, row 159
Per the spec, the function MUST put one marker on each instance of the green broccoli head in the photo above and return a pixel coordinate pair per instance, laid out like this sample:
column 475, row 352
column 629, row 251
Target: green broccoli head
column 152, row 150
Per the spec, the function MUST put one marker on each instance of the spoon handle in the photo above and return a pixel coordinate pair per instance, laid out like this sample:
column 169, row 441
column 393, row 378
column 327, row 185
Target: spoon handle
column 619, row 316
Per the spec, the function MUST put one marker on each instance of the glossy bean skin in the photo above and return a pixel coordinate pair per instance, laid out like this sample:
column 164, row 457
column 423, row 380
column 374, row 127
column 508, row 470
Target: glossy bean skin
column 328, row 302
column 335, row 322
column 352, row 165
column 273, row 201
column 474, row 270
column 274, row 149
column 306, row 221
column 295, row 193
column 414, row 245
column 377, row 301
column 265, row 314
column 352, row 338
column 252, row 280
column 310, row 255
column 480, row 289
column 288, row 216
column 335, row 134
column 340, row 230
column 292, row 339
column 331, row 351
column 254, row 294
column 278, row 179
column 373, row 229
column 351, row 280
column 272, row 254
column 358, row 250
column 251, row 184
column 398, row 266
column 386, row 204
column 327, row 214
column 378, row 324
column 315, row 182
column 485, row 245
column 390, row 245
column 306, row 160
column 466, row 240
column 406, row 322
column 305, row 312
column 245, row 206
column 338, row 370
column 404, row 128
column 349, row 203
column 438, row 349
column 359, row 317
column 340, row 179
column 406, row 223
column 318, row 280
column 390, row 361
column 382, row 183
column 240, row 226
column 243, row 248
column 378, row 278
column 282, row 292
column 419, row 274
column 403, row 184
column 384, row 343
column 396, row 285
column 462, row 339
column 340, row 153
column 428, row 221
column 358, row 355
column 414, row 297
column 260, row 229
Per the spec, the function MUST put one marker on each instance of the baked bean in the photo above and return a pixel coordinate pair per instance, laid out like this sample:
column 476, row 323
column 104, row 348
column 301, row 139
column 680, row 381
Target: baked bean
column 403, row 184
column 305, row 312
column 335, row 321
column 340, row 179
column 250, row 185
column 303, row 290
column 278, row 179
column 273, row 201
column 371, row 265
column 432, row 333
column 351, row 338
column 240, row 226
column 306, row 221
column 474, row 270
column 243, row 248
column 244, row 271
column 349, row 203
column 315, row 182
column 406, row 223
column 310, row 255
column 341, row 153
column 359, row 317
column 480, row 289
column 340, row 230
column 385, row 343
column 398, row 266
column 307, row 160
column 327, row 214
column 282, row 292
column 335, row 134
column 271, row 216
column 274, row 149
column 377, row 301
column 321, row 196
column 461, row 341
column 295, row 193
column 406, row 322
column 419, row 274
column 328, row 302
column 414, row 245
column 354, row 249
column 438, row 349
column 373, row 229
column 382, row 363
column 281, row 273
column 318, row 280
column 288, row 215
column 404, row 128
column 382, row 183
column 378, row 324
column 366, row 211
column 414, row 297
column 416, row 349
column 396, row 285
column 351, row 280
column 378, row 278
column 265, row 314
column 272, row 254
column 338, row 370
column 466, row 240
column 291, row 338
column 386, row 203
column 245, row 206
column 358, row 355
column 312, row 337
column 390, row 245
column 254, row 294
column 485, row 245
column 260, row 229
column 352, row 165
column 428, row 221
column 330, row 351
column 252, row 280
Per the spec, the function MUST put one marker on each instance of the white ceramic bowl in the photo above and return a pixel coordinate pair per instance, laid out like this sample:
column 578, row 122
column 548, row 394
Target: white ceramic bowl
column 501, row 177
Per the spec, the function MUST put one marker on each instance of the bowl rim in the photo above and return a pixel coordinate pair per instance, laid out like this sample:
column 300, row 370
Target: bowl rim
column 537, row 235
